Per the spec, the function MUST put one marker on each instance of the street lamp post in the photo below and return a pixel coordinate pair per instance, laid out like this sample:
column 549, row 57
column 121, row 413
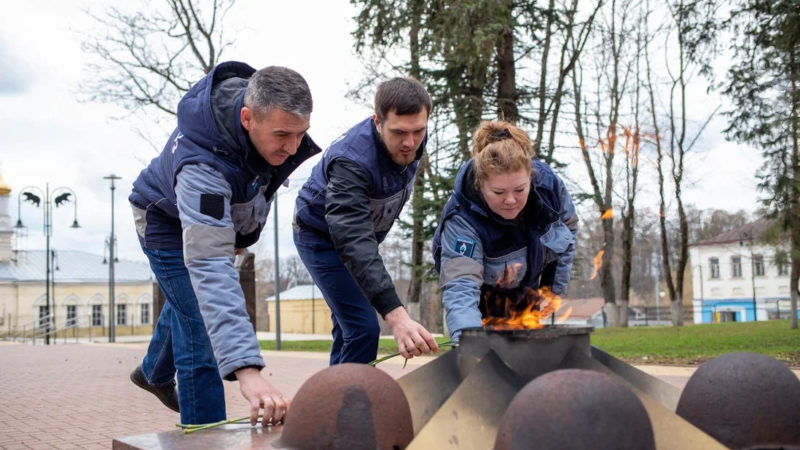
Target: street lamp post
column 54, row 198
column 111, row 260
column 277, row 278
column 700, row 266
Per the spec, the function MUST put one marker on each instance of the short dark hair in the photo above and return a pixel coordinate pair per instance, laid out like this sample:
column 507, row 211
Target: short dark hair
column 403, row 95
column 278, row 87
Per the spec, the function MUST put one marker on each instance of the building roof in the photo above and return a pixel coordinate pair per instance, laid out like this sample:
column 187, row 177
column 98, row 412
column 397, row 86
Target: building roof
column 71, row 266
column 582, row 308
column 746, row 232
column 299, row 292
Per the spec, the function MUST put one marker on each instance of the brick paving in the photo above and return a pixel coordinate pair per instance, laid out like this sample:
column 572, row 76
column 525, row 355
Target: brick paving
column 79, row 395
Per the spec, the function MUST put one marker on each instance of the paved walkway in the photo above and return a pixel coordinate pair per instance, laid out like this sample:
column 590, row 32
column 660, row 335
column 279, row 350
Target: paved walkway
column 79, row 395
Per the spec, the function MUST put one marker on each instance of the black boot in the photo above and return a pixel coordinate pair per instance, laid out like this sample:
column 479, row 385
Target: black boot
column 167, row 393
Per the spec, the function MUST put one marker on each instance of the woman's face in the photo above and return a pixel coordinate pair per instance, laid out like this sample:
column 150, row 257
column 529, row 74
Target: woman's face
column 507, row 193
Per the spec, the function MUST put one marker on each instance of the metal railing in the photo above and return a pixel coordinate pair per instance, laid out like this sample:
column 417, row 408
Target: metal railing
column 37, row 331
column 74, row 330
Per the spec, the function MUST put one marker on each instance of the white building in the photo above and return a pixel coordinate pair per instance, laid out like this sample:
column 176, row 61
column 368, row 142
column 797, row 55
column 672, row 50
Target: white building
column 734, row 274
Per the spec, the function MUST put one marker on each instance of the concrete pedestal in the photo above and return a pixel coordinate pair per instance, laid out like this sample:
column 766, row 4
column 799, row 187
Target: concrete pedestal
column 233, row 437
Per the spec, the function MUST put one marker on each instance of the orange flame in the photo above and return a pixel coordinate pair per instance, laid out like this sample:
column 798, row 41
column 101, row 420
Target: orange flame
column 609, row 214
column 541, row 303
column 598, row 263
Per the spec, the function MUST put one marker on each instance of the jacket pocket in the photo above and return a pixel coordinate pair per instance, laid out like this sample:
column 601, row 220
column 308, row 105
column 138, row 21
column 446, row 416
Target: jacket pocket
column 250, row 215
column 556, row 241
column 506, row 271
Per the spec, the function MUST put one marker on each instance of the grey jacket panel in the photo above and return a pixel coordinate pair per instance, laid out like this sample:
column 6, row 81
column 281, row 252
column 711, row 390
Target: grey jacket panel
column 461, row 291
column 206, row 241
column 560, row 240
column 250, row 216
column 214, row 278
column 348, row 213
column 384, row 211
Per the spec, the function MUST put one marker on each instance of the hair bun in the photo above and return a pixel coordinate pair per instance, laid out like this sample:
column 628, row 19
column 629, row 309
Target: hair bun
column 499, row 135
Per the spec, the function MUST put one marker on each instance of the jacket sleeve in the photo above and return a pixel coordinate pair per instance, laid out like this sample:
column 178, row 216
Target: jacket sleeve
column 203, row 197
column 461, row 275
column 569, row 219
column 347, row 212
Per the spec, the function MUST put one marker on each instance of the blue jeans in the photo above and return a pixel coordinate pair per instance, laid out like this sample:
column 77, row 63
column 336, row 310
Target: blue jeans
column 180, row 344
column 355, row 324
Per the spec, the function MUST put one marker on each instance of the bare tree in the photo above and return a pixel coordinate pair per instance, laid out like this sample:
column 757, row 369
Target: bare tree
column 146, row 60
column 679, row 143
column 562, row 27
column 631, row 147
column 610, row 74
column 294, row 272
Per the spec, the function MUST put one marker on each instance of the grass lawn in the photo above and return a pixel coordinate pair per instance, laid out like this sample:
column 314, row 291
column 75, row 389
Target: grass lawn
column 385, row 346
column 691, row 344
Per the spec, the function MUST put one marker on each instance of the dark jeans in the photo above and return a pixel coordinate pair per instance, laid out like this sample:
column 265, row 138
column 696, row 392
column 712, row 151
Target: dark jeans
column 355, row 325
column 180, row 344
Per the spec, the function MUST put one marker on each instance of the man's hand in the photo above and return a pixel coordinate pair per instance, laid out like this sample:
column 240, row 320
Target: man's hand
column 412, row 338
column 261, row 395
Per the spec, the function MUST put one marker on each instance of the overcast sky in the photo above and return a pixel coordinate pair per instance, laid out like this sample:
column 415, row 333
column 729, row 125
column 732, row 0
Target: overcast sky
column 46, row 136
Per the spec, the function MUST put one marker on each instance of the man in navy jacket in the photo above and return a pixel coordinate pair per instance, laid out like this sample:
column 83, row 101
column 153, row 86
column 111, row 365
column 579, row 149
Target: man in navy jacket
column 240, row 133
column 345, row 210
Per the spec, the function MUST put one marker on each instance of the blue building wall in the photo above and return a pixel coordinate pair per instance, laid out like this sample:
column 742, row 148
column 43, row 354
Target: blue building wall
column 741, row 307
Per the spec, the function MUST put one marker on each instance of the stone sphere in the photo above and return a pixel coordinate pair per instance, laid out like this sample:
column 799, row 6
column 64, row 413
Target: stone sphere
column 575, row 408
column 348, row 406
column 744, row 400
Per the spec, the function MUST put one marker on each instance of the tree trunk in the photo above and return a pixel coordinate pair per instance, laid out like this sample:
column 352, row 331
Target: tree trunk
column 676, row 312
column 607, row 270
column 602, row 201
column 677, row 174
column 506, row 72
column 627, row 256
column 662, row 213
column 417, row 199
column 417, row 237
column 795, row 193
column 543, row 78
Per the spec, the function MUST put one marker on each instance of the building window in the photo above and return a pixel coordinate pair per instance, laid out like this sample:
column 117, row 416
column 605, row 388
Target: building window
column 736, row 266
column 97, row 315
column 43, row 316
column 72, row 315
column 144, row 314
column 758, row 265
column 781, row 260
column 121, row 310
column 714, row 263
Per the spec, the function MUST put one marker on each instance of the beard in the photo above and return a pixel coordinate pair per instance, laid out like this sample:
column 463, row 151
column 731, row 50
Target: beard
column 403, row 158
